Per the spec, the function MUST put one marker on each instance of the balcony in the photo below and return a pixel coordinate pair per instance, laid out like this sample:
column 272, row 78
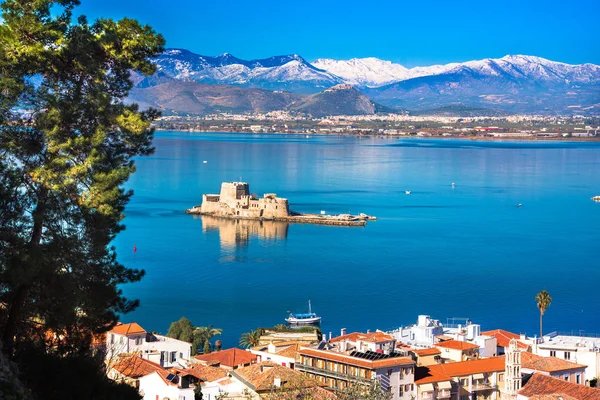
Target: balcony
column 330, row 374
column 443, row 394
column 478, row 386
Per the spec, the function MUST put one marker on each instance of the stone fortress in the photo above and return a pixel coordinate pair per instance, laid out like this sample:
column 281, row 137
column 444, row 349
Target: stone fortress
column 235, row 200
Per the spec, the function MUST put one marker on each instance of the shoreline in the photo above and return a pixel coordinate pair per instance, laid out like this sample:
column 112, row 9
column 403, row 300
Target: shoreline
column 396, row 136
column 313, row 219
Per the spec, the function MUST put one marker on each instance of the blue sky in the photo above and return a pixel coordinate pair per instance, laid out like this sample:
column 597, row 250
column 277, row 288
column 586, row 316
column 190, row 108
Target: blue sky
column 411, row 33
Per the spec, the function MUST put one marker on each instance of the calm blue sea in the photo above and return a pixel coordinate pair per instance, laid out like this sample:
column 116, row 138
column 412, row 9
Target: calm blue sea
column 466, row 251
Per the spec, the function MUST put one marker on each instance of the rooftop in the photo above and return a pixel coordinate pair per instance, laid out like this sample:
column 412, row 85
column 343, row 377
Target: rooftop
column 427, row 352
column 128, row 329
column 354, row 360
column 204, row 372
column 544, row 385
column 443, row 372
column 135, row 367
column 456, row 345
column 503, row 338
column 574, row 342
column 262, row 376
column 229, row 357
column 547, row 364
column 374, row 337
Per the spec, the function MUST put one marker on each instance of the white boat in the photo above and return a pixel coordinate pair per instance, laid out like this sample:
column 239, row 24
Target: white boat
column 303, row 319
column 408, row 192
column 596, row 198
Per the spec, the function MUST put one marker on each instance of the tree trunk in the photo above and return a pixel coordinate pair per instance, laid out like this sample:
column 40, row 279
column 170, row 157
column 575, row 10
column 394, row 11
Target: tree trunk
column 541, row 314
column 20, row 296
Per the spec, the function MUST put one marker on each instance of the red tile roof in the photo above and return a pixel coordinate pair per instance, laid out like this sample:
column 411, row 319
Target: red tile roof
column 427, row 352
column 262, row 377
column 128, row 329
column 376, row 337
column 204, row 372
column 360, row 362
column 547, row 364
column 135, row 367
column 503, row 338
column 441, row 372
column 456, row 345
column 540, row 384
column 229, row 358
column 426, row 375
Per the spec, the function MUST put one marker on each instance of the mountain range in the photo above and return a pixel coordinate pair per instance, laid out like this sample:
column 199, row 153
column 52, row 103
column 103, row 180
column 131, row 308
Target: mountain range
column 514, row 83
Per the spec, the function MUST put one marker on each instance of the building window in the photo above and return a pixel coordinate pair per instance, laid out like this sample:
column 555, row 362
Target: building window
column 567, row 355
column 566, row 377
column 121, row 340
column 390, row 372
column 578, row 379
column 500, row 377
column 552, row 353
column 173, row 356
column 401, row 392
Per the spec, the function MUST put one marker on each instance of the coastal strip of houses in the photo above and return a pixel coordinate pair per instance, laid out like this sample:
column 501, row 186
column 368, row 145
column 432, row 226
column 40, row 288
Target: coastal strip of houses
column 459, row 363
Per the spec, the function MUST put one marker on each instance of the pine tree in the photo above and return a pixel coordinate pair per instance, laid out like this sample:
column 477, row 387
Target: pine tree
column 67, row 143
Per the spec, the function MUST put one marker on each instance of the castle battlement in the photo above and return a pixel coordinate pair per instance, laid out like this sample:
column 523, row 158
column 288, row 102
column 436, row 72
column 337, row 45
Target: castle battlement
column 235, row 200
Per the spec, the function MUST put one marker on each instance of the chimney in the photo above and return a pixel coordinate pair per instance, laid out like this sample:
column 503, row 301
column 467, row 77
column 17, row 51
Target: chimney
column 343, row 332
column 522, row 337
column 368, row 331
column 329, row 335
column 271, row 348
column 277, row 382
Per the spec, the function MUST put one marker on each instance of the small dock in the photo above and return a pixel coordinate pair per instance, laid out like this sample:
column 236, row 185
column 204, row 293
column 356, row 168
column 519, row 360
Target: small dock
column 297, row 218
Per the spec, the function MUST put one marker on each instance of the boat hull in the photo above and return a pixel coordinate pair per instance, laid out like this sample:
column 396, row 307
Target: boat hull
column 303, row 321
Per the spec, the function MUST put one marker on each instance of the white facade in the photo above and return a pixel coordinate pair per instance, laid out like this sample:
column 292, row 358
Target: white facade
column 271, row 355
column 165, row 351
column 229, row 385
column 154, row 387
column 420, row 335
column 578, row 349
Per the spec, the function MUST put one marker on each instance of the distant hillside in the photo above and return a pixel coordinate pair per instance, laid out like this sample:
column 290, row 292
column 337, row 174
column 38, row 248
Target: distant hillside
column 179, row 97
column 338, row 100
column 459, row 110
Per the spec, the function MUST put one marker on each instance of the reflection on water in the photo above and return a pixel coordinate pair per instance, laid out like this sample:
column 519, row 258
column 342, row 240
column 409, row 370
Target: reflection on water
column 236, row 233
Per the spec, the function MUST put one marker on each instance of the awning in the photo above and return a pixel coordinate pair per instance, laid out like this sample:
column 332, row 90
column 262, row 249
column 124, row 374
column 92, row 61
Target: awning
column 478, row 376
column 428, row 387
column 444, row 385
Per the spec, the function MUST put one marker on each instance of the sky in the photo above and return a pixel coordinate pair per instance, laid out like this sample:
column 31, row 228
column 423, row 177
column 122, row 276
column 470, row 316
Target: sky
column 411, row 33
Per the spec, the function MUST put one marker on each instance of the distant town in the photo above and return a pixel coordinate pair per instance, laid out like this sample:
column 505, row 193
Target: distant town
column 523, row 127
column 426, row 360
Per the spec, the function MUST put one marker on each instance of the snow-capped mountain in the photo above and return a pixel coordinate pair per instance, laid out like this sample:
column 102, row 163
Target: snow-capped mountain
column 289, row 72
column 373, row 72
column 514, row 83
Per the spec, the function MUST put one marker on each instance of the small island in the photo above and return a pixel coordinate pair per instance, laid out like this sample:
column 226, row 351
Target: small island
column 235, row 202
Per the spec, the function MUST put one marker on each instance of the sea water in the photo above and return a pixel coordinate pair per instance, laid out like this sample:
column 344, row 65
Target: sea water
column 463, row 250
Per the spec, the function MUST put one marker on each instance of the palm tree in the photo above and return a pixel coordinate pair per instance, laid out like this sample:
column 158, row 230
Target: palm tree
column 543, row 300
column 281, row 327
column 203, row 334
column 250, row 339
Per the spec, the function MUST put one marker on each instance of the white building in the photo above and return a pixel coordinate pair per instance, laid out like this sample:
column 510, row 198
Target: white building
column 165, row 385
column 578, row 349
column 422, row 334
column 360, row 358
column 133, row 339
column 425, row 332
